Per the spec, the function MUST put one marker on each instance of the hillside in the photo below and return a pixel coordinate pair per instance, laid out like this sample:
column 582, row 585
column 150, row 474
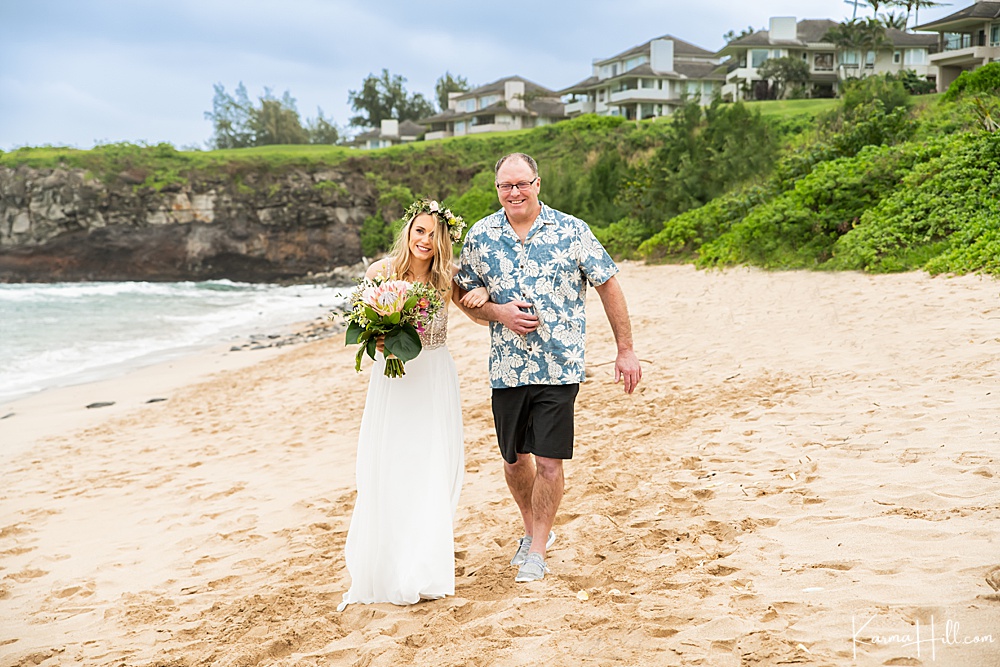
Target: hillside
column 878, row 181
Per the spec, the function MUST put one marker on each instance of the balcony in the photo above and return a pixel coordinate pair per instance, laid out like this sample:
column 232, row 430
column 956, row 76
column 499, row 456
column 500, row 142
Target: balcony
column 968, row 56
column 580, row 107
column 642, row 95
column 440, row 134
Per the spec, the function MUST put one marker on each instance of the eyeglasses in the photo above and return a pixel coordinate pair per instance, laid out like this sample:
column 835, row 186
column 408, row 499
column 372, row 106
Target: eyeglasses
column 523, row 185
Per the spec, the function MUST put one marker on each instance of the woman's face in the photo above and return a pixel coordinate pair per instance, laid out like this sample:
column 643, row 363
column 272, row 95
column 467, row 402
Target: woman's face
column 421, row 242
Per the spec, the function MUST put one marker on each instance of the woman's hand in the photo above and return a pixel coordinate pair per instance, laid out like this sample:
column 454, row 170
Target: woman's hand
column 476, row 297
column 380, row 344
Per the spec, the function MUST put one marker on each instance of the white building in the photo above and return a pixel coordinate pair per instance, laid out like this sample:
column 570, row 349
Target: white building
column 828, row 64
column 511, row 103
column 390, row 133
column 966, row 40
column 648, row 80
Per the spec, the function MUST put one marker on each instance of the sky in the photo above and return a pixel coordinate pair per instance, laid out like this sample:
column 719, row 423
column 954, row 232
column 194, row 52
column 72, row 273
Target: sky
column 84, row 72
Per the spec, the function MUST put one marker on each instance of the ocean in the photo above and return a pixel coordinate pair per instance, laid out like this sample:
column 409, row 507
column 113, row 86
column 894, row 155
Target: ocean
column 66, row 333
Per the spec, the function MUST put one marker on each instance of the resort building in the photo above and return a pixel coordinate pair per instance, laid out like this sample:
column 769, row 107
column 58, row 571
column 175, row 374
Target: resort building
column 966, row 40
column 511, row 103
column 648, row 80
column 828, row 63
column 390, row 133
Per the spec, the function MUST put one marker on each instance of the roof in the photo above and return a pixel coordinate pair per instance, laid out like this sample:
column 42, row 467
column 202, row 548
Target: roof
column 900, row 38
column 548, row 106
column 681, row 48
column 408, row 128
column 973, row 14
column 499, row 85
column 682, row 70
column 807, row 32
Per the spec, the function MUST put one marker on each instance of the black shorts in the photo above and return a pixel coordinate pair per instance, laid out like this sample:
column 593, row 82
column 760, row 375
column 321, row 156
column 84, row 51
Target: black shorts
column 535, row 419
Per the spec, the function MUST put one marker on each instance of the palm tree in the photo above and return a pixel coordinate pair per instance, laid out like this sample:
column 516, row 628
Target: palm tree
column 914, row 6
column 857, row 35
column 894, row 20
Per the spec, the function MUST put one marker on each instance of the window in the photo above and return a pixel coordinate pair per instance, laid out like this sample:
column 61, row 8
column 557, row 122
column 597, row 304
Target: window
column 869, row 59
column 897, row 57
column 460, row 127
column 635, row 62
column 823, row 62
column 850, row 58
column 693, row 88
column 647, row 83
column 488, row 100
column 995, row 34
column 758, row 57
column 915, row 57
column 484, row 120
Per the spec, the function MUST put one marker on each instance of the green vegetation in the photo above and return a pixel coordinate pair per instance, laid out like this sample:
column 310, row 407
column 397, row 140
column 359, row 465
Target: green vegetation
column 877, row 181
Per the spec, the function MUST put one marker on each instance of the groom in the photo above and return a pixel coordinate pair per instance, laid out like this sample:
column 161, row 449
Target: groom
column 536, row 263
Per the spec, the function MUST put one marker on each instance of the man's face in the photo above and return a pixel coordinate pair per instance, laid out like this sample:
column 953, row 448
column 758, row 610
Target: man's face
column 520, row 204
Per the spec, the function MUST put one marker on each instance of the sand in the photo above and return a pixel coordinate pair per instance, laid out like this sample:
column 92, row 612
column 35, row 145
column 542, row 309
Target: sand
column 807, row 475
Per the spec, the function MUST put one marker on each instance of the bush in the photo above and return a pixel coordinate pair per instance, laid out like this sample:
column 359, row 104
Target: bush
column 985, row 80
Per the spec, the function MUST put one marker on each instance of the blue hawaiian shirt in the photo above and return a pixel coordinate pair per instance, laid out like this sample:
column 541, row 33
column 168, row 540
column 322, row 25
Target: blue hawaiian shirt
column 550, row 270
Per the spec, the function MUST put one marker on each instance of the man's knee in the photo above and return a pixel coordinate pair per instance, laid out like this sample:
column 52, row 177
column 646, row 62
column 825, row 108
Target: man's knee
column 549, row 469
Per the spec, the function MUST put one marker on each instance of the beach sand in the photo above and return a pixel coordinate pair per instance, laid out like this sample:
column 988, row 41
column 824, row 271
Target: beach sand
column 806, row 475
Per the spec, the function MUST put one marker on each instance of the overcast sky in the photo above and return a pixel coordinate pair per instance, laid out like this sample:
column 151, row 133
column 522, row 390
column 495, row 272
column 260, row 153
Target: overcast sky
column 80, row 72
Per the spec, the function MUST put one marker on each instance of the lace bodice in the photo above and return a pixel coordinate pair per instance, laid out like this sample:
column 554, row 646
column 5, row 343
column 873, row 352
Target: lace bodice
column 436, row 334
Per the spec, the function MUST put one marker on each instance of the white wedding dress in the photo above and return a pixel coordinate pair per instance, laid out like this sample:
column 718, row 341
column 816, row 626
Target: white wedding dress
column 411, row 460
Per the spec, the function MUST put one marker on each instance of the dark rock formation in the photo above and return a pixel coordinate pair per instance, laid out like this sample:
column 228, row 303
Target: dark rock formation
column 64, row 225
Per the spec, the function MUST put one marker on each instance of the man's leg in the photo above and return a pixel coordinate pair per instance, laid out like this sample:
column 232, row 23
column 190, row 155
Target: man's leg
column 520, row 478
column 546, row 494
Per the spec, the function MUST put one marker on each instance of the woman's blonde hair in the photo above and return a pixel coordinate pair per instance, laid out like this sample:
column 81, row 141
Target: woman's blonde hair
column 441, row 270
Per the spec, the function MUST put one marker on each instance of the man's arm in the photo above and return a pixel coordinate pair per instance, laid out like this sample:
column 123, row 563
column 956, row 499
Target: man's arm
column 627, row 363
column 508, row 314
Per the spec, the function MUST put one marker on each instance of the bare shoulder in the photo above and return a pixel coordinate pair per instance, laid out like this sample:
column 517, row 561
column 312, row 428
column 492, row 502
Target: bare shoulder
column 381, row 266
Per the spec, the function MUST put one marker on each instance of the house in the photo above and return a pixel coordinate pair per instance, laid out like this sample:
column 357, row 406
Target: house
column 390, row 133
column 511, row 103
column 828, row 63
column 648, row 80
column 966, row 40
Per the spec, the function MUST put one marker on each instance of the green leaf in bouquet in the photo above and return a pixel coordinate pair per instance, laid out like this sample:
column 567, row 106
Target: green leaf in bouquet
column 357, row 358
column 394, row 318
column 371, row 314
column 370, row 346
column 404, row 342
column 354, row 331
column 411, row 302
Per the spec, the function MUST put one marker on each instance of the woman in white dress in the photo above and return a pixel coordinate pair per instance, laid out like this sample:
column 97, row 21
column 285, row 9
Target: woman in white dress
column 400, row 545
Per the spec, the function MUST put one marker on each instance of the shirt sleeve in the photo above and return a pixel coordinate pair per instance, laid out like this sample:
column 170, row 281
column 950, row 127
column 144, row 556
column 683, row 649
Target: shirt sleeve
column 595, row 262
column 468, row 278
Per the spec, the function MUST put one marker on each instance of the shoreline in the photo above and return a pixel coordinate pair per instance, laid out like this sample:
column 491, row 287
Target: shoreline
column 806, row 451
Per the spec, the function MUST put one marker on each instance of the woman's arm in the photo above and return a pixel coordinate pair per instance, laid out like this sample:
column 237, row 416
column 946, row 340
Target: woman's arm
column 456, row 296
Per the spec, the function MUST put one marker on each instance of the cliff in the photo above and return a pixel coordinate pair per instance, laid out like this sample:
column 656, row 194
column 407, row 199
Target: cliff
column 252, row 224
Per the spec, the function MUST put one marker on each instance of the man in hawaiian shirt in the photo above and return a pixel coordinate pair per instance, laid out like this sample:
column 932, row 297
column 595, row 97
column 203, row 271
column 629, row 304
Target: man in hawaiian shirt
column 536, row 263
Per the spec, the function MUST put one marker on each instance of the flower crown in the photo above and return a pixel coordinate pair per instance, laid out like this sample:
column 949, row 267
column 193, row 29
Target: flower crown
column 456, row 225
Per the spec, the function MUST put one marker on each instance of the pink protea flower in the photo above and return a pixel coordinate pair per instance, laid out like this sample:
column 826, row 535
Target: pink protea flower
column 387, row 298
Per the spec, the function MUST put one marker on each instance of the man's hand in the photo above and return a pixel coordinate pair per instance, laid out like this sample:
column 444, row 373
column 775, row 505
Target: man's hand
column 627, row 367
column 511, row 316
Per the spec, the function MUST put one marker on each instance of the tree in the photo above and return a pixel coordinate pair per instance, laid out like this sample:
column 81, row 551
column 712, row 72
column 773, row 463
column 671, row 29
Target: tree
column 230, row 118
column 322, row 130
column 382, row 97
column 894, row 20
column 732, row 36
column 784, row 71
column 448, row 84
column 277, row 121
column 914, row 6
column 857, row 35
column 239, row 123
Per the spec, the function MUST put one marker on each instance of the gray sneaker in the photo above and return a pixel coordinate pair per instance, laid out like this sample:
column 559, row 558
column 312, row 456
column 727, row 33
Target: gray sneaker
column 533, row 569
column 524, row 546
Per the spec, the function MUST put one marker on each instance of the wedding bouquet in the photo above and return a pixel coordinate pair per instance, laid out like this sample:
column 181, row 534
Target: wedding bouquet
column 396, row 309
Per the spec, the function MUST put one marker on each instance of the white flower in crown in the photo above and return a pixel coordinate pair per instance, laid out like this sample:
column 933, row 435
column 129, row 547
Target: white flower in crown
column 433, row 206
column 455, row 223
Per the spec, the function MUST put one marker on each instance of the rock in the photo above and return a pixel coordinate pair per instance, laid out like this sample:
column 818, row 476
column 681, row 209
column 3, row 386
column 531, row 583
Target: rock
column 63, row 225
column 101, row 404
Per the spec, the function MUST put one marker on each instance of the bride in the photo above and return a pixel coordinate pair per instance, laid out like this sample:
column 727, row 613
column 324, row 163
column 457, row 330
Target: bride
column 410, row 463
